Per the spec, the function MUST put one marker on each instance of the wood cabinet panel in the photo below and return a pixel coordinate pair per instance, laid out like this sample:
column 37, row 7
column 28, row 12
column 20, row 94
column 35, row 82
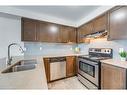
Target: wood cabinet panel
column 100, row 23
column 70, row 66
column 64, row 34
column 67, row 34
column 48, row 32
column 29, row 30
column 112, row 77
column 84, row 30
column 118, row 23
column 80, row 33
column 40, row 31
column 72, row 35
column 47, row 68
column 88, row 28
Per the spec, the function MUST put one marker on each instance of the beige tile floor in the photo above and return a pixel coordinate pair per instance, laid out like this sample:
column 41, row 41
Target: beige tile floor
column 66, row 84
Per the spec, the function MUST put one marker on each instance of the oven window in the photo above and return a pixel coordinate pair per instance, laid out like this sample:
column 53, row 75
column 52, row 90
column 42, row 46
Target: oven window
column 87, row 68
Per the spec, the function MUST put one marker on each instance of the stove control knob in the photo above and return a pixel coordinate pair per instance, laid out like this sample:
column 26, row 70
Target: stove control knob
column 108, row 51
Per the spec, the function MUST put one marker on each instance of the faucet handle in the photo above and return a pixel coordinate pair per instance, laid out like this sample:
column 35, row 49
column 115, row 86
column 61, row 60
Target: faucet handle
column 20, row 49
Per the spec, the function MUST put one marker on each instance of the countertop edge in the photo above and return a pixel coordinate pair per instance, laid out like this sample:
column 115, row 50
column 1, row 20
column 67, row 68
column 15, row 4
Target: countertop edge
column 116, row 63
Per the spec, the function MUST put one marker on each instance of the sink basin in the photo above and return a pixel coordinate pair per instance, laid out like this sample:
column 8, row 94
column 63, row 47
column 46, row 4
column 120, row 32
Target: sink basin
column 22, row 65
column 27, row 62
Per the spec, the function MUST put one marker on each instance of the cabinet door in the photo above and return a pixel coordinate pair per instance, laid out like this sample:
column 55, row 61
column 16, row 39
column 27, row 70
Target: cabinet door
column 84, row 30
column 70, row 66
column 64, row 34
column 72, row 35
column 112, row 77
column 118, row 23
column 29, row 30
column 100, row 23
column 88, row 28
column 80, row 33
column 67, row 34
column 48, row 32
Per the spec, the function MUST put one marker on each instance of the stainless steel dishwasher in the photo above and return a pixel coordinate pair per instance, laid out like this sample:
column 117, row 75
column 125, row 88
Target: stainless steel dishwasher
column 57, row 68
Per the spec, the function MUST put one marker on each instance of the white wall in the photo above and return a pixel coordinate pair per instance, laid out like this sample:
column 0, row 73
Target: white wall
column 10, row 32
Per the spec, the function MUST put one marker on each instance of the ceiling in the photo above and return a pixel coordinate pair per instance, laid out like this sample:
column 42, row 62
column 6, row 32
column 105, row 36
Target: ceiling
column 66, row 15
column 70, row 13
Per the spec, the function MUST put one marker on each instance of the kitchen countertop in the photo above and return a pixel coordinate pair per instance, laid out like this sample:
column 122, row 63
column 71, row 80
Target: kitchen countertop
column 36, row 78
column 114, row 62
column 30, row 79
column 61, row 55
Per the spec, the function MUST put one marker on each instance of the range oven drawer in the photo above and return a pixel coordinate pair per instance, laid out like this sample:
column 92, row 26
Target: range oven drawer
column 88, row 84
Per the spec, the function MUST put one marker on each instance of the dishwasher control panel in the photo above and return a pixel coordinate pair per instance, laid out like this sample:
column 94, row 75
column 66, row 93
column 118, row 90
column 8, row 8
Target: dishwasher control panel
column 57, row 59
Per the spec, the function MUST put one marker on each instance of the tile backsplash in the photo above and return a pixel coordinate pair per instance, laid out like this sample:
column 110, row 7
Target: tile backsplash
column 57, row 48
column 103, row 43
column 47, row 48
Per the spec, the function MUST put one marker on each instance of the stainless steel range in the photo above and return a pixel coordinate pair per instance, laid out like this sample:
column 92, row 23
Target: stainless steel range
column 89, row 66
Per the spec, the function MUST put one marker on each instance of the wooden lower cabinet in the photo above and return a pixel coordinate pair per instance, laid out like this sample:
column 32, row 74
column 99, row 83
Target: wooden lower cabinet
column 70, row 66
column 112, row 77
column 47, row 68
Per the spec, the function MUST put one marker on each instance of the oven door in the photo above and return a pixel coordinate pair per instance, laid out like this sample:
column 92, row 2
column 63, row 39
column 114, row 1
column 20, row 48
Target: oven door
column 89, row 70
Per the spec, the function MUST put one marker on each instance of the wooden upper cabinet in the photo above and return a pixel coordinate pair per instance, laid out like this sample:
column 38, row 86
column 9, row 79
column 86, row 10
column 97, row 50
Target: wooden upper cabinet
column 88, row 28
column 29, row 30
column 80, row 33
column 48, row 32
column 112, row 77
column 67, row 34
column 70, row 66
column 118, row 23
column 40, row 31
column 64, row 34
column 100, row 23
column 84, row 30
column 72, row 35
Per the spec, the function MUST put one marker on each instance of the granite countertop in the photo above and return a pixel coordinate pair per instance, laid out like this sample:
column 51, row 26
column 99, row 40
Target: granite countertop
column 30, row 79
column 115, row 62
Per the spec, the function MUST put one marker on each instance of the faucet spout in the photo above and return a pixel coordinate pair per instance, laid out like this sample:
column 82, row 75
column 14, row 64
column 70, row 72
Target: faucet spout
column 9, row 56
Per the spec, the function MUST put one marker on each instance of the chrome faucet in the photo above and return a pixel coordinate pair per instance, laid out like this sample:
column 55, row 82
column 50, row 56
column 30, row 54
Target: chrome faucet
column 9, row 57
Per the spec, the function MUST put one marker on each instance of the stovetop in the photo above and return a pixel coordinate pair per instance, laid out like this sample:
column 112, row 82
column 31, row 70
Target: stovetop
column 96, row 58
column 97, row 54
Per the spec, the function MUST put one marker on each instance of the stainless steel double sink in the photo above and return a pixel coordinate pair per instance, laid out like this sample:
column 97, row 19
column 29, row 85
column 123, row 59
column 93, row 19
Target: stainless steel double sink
column 22, row 65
